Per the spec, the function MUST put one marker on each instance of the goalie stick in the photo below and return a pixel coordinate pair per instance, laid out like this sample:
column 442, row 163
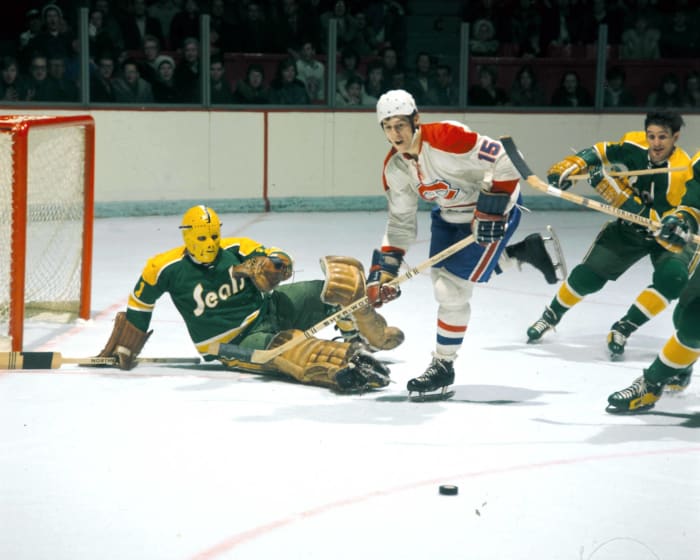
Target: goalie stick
column 54, row 360
column 535, row 182
column 232, row 351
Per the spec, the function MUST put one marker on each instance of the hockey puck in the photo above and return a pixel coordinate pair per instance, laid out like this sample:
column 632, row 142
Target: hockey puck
column 448, row 490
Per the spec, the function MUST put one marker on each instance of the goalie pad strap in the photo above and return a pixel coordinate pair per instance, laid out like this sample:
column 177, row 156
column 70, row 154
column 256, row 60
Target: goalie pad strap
column 345, row 280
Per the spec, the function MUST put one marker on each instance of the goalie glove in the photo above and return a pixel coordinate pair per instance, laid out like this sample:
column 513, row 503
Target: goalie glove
column 385, row 267
column 125, row 343
column 265, row 271
column 490, row 217
column 558, row 175
column 674, row 233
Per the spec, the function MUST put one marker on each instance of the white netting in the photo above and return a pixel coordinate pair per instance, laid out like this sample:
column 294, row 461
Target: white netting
column 55, row 200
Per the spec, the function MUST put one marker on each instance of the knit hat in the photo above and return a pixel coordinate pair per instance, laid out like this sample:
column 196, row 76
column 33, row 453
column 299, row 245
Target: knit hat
column 164, row 58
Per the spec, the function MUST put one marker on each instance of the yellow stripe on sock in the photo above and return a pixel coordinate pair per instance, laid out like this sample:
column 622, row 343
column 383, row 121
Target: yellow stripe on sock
column 651, row 302
column 677, row 355
column 566, row 296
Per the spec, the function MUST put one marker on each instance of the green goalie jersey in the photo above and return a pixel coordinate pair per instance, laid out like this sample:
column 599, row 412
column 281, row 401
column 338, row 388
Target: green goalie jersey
column 659, row 192
column 216, row 306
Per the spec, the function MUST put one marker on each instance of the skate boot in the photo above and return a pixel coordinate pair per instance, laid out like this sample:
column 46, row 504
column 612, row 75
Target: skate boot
column 680, row 381
column 545, row 323
column 638, row 397
column 363, row 373
column 617, row 337
column 532, row 250
column 439, row 375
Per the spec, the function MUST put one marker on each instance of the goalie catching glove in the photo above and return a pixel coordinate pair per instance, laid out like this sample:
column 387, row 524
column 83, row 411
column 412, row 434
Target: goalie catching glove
column 490, row 217
column 125, row 343
column 265, row 271
column 675, row 231
column 385, row 267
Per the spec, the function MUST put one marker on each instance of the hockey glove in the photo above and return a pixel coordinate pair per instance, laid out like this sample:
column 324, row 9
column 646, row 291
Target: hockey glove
column 125, row 343
column 385, row 267
column 558, row 175
column 674, row 232
column 490, row 217
column 616, row 191
column 265, row 271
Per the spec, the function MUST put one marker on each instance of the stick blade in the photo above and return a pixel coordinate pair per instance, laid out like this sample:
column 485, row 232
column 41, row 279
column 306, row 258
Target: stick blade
column 515, row 157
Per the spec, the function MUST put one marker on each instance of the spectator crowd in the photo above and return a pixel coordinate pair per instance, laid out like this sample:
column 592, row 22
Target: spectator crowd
column 149, row 51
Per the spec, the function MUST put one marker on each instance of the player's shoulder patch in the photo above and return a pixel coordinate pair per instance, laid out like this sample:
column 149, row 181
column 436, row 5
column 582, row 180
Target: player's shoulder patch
column 449, row 136
column 156, row 265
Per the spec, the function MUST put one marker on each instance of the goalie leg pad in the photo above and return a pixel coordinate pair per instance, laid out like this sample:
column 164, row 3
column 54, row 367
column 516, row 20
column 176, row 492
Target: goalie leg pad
column 345, row 280
column 125, row 343
column 312, row 361
column 373, row 329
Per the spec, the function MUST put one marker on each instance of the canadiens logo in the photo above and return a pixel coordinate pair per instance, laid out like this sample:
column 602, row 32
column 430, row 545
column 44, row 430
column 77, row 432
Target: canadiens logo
column 437, row 189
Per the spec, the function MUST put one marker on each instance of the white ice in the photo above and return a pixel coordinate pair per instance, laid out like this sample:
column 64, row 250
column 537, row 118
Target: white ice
column 197, row 462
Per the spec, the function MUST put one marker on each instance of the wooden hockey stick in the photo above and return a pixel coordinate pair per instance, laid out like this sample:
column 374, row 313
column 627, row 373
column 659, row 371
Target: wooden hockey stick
column 658, row 171
column 54, row 360
column 234, row 352
column 535, row 182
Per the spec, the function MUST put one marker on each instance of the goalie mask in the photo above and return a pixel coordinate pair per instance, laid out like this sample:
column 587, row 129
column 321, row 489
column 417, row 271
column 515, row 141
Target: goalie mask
column 395, row 103
column 201, row 230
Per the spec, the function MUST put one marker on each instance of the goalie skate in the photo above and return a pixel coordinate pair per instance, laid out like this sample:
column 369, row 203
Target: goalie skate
column 363, row 373
column 433, row 384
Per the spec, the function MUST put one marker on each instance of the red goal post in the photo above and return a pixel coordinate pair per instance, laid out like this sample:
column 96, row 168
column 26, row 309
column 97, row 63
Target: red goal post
column 47, row 200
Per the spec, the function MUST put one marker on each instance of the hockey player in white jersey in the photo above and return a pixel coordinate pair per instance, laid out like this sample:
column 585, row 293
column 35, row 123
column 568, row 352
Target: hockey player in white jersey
column 475, row 189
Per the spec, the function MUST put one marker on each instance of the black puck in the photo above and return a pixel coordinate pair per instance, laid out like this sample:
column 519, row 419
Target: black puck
column 448, row 490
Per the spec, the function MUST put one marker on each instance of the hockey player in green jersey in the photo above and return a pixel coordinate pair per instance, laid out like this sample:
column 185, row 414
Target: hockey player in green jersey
column 673, row 366
column 621, row 244
column 227, row 291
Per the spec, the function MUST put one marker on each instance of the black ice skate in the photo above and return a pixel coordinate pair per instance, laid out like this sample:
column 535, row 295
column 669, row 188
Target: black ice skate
column 545, row 323
column 363, row 373
column 680, row 381
column 533, row 251
column 638, row 397
column 439, row 375
column 617, row 337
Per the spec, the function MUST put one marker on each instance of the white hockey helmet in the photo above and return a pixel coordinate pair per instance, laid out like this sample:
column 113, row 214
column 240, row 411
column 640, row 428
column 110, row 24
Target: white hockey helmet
column 395, row 103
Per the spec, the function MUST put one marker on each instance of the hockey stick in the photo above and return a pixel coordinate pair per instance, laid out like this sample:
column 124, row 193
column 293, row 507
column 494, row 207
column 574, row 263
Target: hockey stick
column 535, row 182
column 54, row 360
column 234, row 352
column 636, row 173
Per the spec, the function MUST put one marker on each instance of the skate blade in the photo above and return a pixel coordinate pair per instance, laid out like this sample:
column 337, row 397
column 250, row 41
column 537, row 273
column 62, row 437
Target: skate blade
column 431, row 397
column 560, row 263
column 612, row 409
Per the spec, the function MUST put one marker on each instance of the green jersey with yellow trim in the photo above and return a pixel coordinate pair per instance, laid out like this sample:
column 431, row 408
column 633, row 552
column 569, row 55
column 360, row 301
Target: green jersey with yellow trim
column 660, row 192
column 215, row 305
column 690, row 204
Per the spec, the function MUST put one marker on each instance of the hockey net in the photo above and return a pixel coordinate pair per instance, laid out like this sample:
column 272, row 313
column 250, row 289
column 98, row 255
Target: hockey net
column 46, row 200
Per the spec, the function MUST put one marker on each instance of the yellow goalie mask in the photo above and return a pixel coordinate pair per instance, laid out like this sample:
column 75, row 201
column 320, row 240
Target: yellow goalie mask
column 201, row 230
